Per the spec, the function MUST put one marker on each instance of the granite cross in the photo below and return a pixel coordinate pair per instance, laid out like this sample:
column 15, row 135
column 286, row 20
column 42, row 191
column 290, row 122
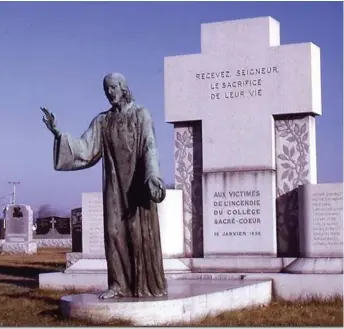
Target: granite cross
column 241, row 79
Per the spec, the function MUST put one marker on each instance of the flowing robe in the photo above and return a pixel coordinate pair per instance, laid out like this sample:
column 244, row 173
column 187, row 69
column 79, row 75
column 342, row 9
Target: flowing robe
column 126, row 143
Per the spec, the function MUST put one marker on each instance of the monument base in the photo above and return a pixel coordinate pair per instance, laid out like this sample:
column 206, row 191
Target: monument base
column 81, row 265
column 316, row 266
column 285, row 285
column 187, row 300
column 77, row 261
column 19, row 247
column 90, row 274
column 97, row 279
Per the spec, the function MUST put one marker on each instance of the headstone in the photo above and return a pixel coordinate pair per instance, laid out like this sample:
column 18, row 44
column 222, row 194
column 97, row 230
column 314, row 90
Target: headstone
column 321, row 220
column 62, row 225
column 243, row 112
column 19, row 235
column 2, row 229
column 53, row 227
column 76, row 217
column 43, row 225
column 17, row 224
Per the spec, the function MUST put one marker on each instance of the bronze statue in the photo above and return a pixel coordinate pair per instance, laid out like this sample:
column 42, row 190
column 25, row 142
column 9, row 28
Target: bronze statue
column 124, row 138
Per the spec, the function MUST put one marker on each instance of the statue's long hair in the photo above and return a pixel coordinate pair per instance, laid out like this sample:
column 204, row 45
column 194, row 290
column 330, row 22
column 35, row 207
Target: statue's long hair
column 127, row 94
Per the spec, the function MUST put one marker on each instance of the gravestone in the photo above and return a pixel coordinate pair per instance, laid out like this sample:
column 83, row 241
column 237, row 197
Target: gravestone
column 62, row 225
column 2, row 229
column 19, row 235
column 43, row 225
column 53, row 227
column 76, row 218
column 243, row 113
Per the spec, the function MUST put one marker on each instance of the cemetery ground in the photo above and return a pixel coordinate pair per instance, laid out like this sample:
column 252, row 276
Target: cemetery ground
column 23, row 304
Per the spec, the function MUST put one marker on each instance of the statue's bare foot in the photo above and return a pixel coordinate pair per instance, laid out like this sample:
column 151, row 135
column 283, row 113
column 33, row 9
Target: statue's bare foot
column 108, row 294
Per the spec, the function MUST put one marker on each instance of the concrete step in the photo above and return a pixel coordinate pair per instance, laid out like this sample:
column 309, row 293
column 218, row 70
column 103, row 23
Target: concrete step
column 97, row 279
column 187, row 300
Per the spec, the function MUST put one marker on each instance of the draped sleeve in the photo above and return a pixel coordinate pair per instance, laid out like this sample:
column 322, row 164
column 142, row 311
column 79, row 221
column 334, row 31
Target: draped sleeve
column 149, row 148
column 79, row 153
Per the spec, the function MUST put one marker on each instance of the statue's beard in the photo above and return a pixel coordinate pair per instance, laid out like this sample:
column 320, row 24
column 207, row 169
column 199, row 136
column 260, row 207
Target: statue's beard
column 118, row 103
column 113, row 101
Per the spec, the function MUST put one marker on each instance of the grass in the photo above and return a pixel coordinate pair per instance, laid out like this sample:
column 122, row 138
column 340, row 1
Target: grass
column 23, row 304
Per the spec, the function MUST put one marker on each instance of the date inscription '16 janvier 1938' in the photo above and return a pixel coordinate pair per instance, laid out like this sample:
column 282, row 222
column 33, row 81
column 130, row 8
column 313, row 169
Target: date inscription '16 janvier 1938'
column 240, row 83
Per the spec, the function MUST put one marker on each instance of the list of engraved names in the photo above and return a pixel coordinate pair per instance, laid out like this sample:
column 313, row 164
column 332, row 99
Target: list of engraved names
column 327, row 218
column 95, row 226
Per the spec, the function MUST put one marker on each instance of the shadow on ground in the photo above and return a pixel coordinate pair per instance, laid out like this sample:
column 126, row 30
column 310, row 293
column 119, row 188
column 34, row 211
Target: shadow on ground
column 26, row 271
column 31, row 296
column 32, row 283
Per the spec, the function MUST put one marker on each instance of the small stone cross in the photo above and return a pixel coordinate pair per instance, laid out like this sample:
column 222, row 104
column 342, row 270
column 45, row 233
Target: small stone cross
column 53, row 221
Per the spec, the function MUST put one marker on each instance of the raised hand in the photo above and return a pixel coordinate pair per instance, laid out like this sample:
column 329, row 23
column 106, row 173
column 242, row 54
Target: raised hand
column 156, row 189
column 50, row 121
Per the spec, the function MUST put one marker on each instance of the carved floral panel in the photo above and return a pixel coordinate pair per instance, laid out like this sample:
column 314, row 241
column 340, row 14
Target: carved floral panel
column 294, row 139
column 188, row 177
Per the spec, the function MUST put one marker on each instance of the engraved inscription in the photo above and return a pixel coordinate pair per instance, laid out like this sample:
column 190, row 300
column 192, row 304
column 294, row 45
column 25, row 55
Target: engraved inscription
column 95, row 229
column 237, row 213
column 327, row 218
column 94, row 239
column 238, row 83
column 16, row 230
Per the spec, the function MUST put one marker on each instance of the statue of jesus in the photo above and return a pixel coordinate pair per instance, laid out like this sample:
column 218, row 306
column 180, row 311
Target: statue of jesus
column 124, row 138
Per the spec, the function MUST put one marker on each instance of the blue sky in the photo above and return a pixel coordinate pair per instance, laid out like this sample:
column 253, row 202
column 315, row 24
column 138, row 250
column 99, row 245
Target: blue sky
column 55, row 54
